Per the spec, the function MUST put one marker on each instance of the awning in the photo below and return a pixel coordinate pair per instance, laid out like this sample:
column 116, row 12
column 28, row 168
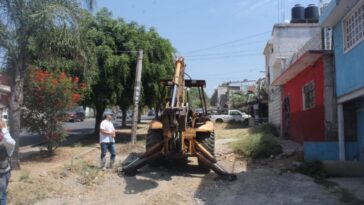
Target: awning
column 297, row 67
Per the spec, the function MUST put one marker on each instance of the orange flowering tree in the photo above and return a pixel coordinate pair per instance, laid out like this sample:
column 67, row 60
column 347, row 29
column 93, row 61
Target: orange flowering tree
column 47, row 95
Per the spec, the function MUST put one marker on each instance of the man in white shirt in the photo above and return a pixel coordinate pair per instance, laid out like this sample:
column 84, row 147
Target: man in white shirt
column 7, row 145
column 107, row 141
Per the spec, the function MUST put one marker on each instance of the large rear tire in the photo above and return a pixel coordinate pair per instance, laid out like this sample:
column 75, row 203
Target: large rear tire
column 154, row 137
column 207, row 140
column 219, row 120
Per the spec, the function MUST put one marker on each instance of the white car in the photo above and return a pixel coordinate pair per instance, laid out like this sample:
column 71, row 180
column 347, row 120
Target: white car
column 231, row 116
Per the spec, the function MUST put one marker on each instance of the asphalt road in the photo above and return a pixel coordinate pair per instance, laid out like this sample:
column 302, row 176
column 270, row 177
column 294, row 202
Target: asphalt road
column 74, row 129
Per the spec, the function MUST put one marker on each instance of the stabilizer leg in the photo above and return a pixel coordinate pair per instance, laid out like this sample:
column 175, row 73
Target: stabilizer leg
column 153, row 153
column 217, row 168
column 131, row 168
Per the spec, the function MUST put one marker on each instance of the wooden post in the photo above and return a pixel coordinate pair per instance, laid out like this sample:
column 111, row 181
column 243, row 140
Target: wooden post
column 136, row 99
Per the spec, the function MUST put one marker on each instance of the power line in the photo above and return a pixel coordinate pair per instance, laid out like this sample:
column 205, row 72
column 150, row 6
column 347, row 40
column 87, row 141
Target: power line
column 227, row 43
column 223, row 57
column 219, row 54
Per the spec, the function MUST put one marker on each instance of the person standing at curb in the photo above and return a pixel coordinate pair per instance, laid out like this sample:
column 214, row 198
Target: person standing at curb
column 107, row 140
column 7, row 145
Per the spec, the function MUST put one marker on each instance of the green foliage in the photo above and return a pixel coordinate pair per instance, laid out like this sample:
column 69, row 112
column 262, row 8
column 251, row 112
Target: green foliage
column 194, row 98
column 213, row 99
column 259, row 145
column 260, row 142
column 116, row 43
column 238, row 100
column 265, row 128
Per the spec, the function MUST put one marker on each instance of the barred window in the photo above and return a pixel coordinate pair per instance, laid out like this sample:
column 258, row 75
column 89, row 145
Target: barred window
column 308, row 96
column 353, row 25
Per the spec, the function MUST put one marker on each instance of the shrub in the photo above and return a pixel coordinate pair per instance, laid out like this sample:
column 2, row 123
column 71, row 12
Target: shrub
column 46, row 95
column 265, row 128
column 259, row 145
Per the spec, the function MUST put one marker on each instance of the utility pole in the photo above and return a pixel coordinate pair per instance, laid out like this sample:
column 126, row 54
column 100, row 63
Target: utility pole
column 137, row 84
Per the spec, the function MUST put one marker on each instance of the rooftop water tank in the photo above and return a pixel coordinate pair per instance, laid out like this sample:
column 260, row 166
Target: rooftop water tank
column 312, row 13
column 298, row 14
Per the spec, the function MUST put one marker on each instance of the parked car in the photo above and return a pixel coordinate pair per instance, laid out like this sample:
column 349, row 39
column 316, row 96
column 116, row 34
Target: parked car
column 76, row 114
column 199, row 111
column 151, row 113
column 231, row 116
column 119, row 116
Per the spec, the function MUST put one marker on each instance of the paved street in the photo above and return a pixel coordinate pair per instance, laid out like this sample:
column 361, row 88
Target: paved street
column 74, row 128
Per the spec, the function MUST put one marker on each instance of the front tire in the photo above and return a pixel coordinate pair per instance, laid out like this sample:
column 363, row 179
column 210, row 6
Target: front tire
column 154, row 137
column 219, row 120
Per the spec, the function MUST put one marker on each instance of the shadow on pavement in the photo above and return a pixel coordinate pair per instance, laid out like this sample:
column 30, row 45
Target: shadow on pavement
column 148, row 177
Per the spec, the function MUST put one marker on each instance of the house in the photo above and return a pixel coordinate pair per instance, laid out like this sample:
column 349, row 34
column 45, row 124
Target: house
column 308, row 94
column 346, row 19
column 224, row 94
column 286, row 39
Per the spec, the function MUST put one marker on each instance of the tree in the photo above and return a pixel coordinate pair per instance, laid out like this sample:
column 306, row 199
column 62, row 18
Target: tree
column 213, row 99
column 46, row 96
column 194, row 98
column 116, row 43
column 239, row 99
column 112, row 66
column 25, row 27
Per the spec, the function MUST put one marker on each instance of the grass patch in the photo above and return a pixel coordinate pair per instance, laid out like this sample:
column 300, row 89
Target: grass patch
column 24, row 177
column 88, row 173
column 258, row 145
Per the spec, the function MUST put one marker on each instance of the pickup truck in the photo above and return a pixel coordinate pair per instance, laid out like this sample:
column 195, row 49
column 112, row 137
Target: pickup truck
column 231, row 116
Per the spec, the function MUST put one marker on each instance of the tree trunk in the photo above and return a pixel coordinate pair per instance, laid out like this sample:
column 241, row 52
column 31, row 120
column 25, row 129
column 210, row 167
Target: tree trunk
column 124, row 112
column 139, row 115
column 16, row 102
column 99, row 112
column 157, row 109
column 50, row 146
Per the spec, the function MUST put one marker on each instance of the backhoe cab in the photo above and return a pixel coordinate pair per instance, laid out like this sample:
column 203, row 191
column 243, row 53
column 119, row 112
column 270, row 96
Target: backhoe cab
column 179, row 130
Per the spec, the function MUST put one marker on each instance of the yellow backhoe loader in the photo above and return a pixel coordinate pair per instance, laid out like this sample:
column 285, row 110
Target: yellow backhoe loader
column 179, row 130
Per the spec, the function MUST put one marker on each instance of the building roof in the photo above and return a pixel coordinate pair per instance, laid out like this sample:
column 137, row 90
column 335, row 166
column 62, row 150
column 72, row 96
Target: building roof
column 335, row 11
column 294, row 25
column 298, row 66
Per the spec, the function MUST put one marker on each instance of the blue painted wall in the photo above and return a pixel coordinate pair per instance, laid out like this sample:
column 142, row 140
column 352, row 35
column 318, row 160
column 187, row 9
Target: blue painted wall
column 329, row 151
column 349, row 66
column 360, row 126
column 329, row 9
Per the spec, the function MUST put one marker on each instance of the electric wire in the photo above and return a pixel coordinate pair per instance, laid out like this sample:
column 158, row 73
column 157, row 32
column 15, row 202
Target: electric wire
column 227, row 43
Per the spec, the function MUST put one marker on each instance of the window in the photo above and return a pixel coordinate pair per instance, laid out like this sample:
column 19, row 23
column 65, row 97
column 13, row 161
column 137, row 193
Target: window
column 308, row 96
column 234, row 113
column 353, row 27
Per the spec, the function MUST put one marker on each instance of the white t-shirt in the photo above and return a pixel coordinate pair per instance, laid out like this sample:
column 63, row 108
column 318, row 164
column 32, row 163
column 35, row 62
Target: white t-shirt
column 108, row 127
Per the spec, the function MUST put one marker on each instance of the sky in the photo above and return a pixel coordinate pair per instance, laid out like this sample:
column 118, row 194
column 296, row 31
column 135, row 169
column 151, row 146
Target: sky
column 220, row 40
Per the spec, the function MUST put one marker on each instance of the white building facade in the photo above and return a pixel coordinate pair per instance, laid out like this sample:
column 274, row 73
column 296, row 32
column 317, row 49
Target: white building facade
column 286, row 40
